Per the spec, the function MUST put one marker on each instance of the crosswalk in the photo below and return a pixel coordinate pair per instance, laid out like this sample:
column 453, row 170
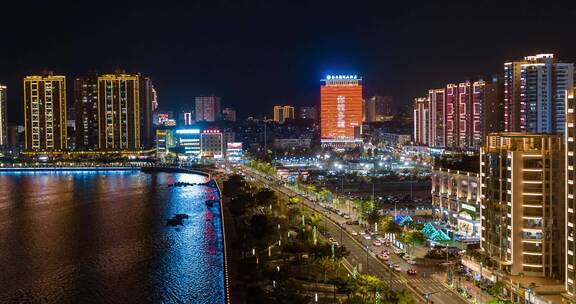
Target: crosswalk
column 423, row 285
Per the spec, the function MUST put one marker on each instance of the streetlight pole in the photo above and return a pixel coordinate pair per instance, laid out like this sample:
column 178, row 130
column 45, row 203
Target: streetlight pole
column 367, row 268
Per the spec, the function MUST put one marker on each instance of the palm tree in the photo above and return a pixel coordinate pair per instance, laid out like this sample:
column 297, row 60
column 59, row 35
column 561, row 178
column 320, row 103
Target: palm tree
column 315, row 219
column 325, row 264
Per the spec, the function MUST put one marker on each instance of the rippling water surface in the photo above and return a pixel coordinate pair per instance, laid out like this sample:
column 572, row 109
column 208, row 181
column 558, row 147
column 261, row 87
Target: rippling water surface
column 87, row 237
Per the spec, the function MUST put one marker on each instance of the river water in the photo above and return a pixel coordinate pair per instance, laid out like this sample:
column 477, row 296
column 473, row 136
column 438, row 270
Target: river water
column 101, row 237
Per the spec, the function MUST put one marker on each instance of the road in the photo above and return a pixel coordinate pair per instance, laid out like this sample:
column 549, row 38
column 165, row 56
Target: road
column 417, row 285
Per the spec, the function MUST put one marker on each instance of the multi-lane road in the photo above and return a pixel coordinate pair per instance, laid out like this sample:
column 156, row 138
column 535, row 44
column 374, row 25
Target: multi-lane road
column 418, row 285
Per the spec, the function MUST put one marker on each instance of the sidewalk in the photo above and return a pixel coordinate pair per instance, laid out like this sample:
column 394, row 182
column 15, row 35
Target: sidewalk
column 478, row 296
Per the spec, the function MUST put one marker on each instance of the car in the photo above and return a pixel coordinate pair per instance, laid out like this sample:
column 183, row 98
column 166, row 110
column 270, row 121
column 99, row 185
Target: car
column 362, row 232
column 411, row 271
column 367, row 236
column 385, row 251
column 354, row 233
column 346, row 216
column 411, row 262
column 377, row 243
column 398, row 251
column 381, row 239
column 397, row 268
column 383, row 257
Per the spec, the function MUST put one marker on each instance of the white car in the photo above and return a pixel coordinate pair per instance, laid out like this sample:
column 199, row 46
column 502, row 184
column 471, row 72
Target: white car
column 354, row 233
column 397, row 251
column 362, row 232
column 377, row 243
column 397, row 268
column 367, row 236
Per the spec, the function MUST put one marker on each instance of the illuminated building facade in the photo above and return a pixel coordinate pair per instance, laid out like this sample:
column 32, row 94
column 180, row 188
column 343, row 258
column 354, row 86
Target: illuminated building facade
column 459, row 116
column 456, row 200
column 207, row 108
column 534, row 94
column 119, row 121
column 188, row 141
column 421, row 121
column 341, row 109
column 282, row 113
column 570, row 215
column 452, row 117
column 522, row 203
column 437, row 112
column 3, row 119
column 165, row 140
column 187, row 118
column 464, row 115
column 86, row 112
column 45, row 113
column 213, row 143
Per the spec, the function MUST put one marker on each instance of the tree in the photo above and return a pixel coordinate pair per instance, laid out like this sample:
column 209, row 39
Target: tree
column 234, row 185
column 293, row 213
column 373, row 217
column 266, row 197
column 259, row 226
column 294, row 200
column 325, row 264
column 315, row 219
column 497, row 289
column 325, row 195
column 413, row 238
column 388, row 225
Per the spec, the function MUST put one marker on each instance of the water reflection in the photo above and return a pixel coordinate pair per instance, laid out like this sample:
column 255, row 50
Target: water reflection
column 94, row 237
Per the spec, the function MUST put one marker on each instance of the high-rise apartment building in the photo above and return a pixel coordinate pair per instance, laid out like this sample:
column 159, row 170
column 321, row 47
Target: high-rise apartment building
column 148, row 102
column 522, row 203
column 229, row 114
column 309, row 113
column 437, row 112
column 534, row 94
column 464, row 114
column 491, row 102
column 3, row 119
column 187, row 118
column 282, row 113
column 452, row 117
column 378, row 108
column 570, row 206
column 421, row 121
column 45, row 113
column 341, row 109
column 207, row 108
column 86, row 112
column 119, row 116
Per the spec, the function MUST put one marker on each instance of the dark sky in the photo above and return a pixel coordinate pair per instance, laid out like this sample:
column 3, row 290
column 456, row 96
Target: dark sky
column 258, row 53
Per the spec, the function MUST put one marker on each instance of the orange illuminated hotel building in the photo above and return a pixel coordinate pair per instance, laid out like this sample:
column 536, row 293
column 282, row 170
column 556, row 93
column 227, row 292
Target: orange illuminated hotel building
column 341, row 111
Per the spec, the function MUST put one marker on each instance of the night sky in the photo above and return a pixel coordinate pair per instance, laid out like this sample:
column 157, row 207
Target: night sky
column 258, row 53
